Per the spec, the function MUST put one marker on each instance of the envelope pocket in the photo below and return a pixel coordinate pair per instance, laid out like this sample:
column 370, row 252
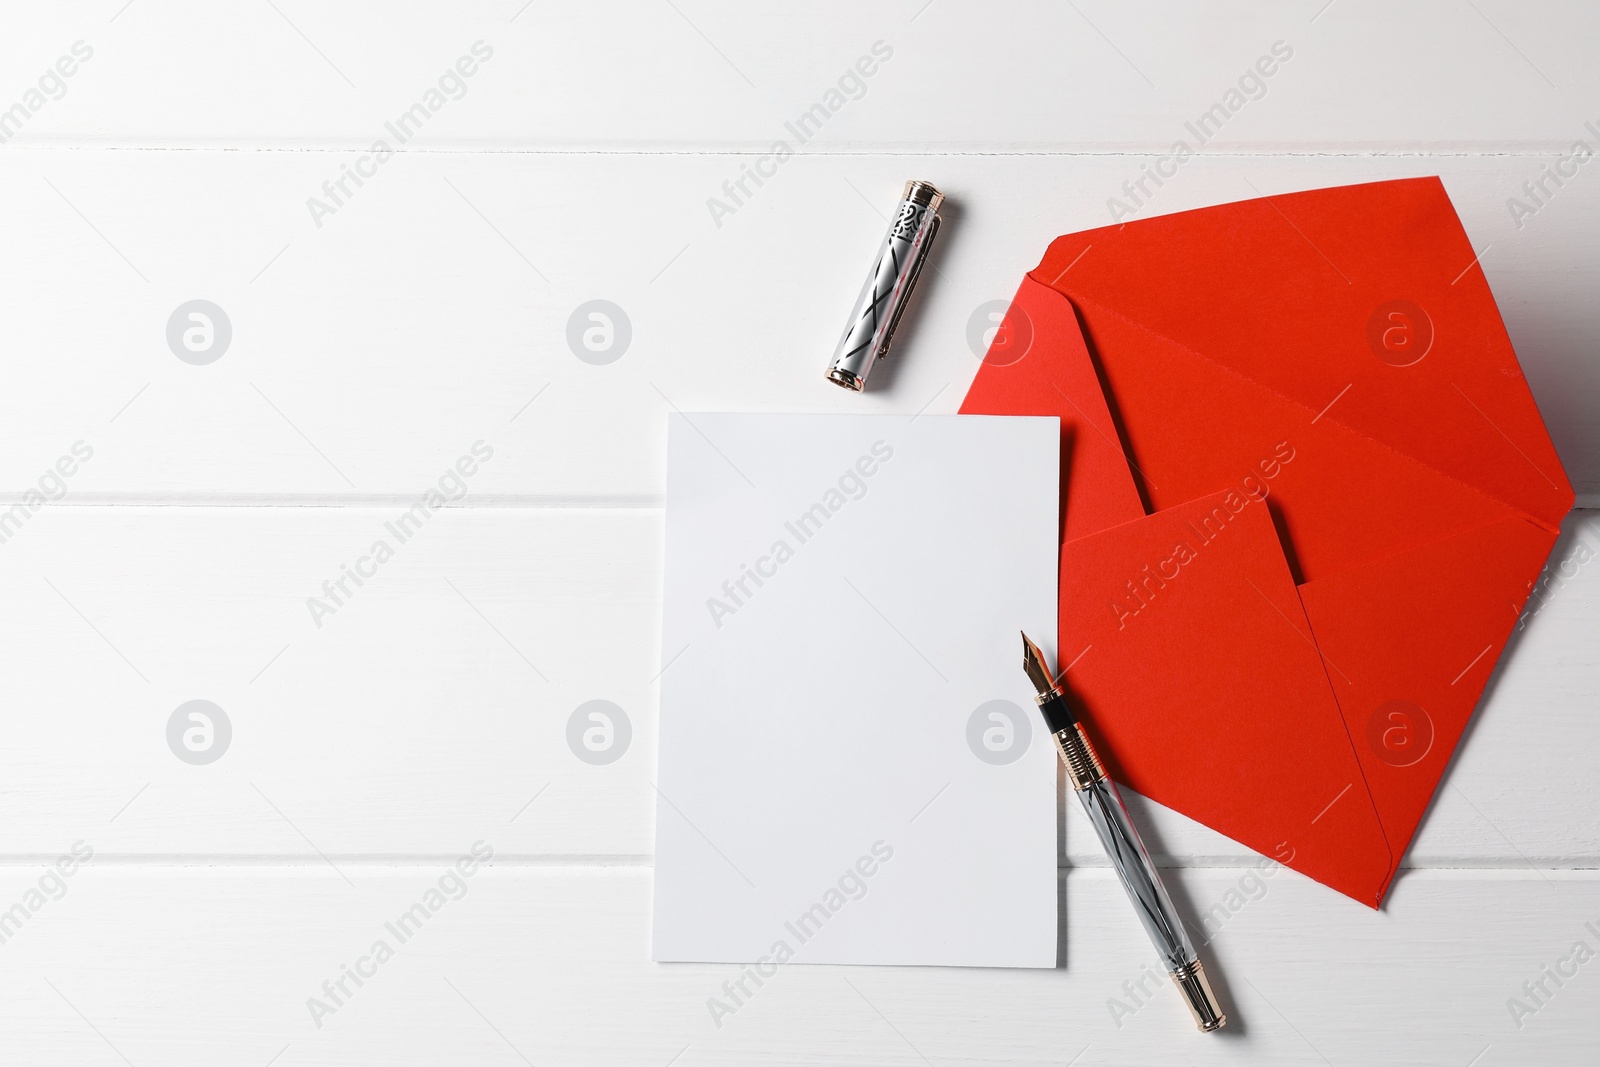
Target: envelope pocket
column 1194, row 662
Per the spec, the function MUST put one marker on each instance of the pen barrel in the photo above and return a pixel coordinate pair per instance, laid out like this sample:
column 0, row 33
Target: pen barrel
column 1116, row 832
column 1104, row 807
column 894, row 275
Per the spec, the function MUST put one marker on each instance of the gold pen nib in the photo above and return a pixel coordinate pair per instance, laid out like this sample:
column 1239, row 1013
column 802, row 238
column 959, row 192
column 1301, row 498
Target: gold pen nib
column 1033, row 662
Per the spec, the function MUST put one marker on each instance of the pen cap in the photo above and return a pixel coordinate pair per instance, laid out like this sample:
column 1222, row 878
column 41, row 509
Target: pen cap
column 894, row 274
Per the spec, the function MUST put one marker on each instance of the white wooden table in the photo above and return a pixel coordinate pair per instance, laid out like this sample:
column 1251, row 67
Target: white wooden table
column 376, row 338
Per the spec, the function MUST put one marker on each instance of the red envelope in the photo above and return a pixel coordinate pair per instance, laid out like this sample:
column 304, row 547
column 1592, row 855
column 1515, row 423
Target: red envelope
column 1306, row 491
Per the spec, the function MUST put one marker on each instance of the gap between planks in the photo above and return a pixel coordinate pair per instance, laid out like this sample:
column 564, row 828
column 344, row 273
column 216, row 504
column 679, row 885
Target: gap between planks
column 1244, row 150
column 1581, row 869
column 548, row 501
column 554, row 501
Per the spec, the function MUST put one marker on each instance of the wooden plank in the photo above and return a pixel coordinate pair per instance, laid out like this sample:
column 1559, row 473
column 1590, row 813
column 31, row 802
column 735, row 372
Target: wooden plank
column 206, row 965
column 702, row 74
column 433, row 308
column 435, row 699
column 436, row 696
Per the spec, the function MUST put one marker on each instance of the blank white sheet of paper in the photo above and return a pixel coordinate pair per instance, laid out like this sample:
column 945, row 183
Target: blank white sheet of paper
column 852, row 769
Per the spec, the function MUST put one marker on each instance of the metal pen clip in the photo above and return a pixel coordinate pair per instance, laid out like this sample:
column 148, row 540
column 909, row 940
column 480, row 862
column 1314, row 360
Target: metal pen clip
column 894, row 275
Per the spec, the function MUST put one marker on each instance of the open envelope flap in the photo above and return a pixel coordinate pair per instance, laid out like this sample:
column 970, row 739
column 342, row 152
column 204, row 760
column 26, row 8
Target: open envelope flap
column 1193, row 427
column 1363, row 302
column 1194, row 661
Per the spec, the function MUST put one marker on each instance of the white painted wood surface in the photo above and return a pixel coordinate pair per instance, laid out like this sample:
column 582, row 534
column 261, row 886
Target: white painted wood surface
column 429, row 312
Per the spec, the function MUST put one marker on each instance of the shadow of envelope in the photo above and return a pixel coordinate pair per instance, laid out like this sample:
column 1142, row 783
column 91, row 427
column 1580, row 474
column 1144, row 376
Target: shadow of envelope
column 1307, row 495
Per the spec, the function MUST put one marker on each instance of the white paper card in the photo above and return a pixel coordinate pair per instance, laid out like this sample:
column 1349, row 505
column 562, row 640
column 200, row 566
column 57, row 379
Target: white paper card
column 852, row 769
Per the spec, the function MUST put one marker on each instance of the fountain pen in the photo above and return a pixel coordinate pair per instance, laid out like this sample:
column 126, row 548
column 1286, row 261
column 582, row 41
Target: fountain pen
column 1101, row 803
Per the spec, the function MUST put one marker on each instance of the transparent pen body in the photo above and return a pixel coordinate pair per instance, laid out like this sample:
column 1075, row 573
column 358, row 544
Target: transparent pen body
column 1110, row 819
column 1139, row 878
column 1121, row 841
